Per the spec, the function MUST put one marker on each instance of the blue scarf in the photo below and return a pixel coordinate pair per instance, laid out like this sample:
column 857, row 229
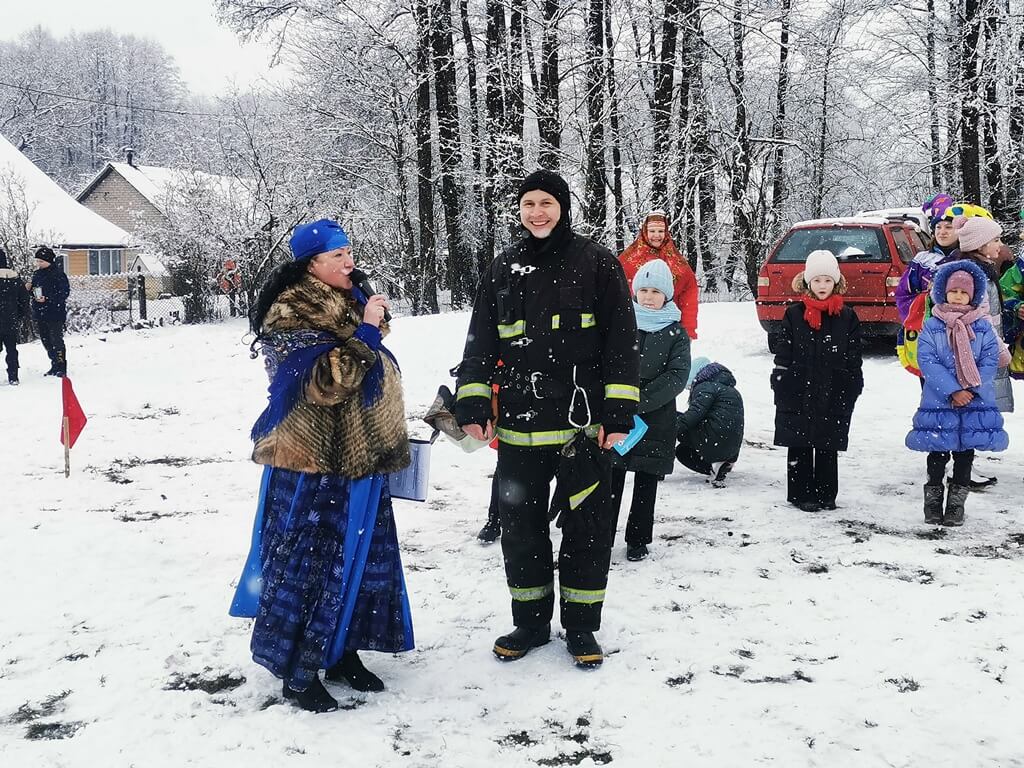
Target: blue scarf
column 290, row 357
column 652, row 320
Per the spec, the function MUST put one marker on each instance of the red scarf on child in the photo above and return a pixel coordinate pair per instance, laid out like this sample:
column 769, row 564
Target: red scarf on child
column 813, row 308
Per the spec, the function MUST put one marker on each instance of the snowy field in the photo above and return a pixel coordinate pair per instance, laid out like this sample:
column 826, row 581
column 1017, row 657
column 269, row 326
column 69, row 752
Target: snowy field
column 755, row 634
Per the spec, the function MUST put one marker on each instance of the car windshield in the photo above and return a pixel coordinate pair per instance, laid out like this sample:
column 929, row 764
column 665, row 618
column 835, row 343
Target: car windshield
column 848, row 244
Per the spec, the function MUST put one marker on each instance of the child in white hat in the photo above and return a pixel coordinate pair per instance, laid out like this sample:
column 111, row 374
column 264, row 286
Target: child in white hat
column 817, row 379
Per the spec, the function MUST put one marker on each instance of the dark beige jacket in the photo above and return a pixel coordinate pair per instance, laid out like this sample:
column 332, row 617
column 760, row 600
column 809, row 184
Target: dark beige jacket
column 330, row 431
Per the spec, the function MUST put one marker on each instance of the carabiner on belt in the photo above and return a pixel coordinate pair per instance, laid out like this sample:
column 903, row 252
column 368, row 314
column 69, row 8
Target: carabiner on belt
column 578, row 390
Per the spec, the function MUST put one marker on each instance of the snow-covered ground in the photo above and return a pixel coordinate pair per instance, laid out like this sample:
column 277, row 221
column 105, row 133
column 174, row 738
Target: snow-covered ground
column 755, row 634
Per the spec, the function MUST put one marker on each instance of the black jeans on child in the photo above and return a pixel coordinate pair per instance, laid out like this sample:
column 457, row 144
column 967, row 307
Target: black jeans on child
column 640, row 523
column 690, row 458
column 812, row 476
column 693, row 459
column 962, row 463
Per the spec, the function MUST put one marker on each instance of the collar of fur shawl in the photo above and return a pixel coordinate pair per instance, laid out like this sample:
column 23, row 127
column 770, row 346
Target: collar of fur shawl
column 312, row 303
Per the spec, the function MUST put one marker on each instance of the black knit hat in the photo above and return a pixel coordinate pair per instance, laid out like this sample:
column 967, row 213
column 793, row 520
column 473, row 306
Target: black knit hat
column 45, row 253
column 553, row 184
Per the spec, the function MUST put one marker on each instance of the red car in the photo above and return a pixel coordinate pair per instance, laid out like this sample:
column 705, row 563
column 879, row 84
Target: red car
column 873, row 253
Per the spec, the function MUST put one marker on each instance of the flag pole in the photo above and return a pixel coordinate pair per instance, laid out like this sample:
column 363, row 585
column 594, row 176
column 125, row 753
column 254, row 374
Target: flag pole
column 67, row 447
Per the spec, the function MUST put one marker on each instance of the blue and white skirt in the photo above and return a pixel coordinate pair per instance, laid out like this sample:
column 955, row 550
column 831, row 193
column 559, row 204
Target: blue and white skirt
column 324, row 574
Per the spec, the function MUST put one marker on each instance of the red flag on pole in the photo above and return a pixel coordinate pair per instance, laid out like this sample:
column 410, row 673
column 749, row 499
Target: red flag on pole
column 74, row 418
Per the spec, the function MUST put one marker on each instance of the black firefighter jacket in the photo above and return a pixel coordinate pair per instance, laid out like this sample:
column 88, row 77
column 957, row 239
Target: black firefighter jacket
column 547, row 308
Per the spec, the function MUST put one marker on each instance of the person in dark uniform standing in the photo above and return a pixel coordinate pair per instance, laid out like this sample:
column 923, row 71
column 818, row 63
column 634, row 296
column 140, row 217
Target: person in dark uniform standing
column 50, row 291
column 556, row 309
column 13, row 307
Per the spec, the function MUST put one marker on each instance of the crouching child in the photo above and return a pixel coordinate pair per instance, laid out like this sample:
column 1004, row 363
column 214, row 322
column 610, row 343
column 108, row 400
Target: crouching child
column 959, row 352
column 710, row 431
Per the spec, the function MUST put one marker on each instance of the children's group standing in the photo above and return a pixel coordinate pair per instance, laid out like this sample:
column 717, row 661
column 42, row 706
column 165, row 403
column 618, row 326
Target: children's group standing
column 324, row 578
column 955, row 312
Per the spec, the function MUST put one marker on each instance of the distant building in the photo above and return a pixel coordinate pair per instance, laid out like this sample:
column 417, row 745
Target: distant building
column 89, row 243
column 129, row 197
column 133, row 197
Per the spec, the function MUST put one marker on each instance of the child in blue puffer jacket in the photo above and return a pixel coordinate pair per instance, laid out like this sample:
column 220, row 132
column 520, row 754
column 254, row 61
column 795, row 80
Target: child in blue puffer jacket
column 958, row 351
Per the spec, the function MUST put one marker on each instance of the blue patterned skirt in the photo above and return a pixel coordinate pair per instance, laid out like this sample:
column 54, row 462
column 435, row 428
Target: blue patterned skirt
column 324, row 574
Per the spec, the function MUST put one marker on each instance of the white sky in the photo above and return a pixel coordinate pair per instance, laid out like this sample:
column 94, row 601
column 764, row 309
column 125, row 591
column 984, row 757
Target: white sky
column 209, row 56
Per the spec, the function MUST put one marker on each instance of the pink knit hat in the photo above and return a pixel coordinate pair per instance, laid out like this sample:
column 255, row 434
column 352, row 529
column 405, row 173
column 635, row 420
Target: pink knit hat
column 961, row 280
column 975, row 231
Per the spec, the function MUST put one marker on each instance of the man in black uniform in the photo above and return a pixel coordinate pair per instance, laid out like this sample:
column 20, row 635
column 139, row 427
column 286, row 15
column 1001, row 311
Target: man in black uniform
column 13, row 307
column 556, row 310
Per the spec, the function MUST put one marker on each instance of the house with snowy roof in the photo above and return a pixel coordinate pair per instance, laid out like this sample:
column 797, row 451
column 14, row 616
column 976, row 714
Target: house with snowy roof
column 134, row 197
column 89, row 243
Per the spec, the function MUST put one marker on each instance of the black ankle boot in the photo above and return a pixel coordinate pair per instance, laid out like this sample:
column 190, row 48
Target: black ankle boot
column 636, row 552
column 491, row 530
column 351, row 670
column 584, row 648
column 955, row 500
column 933, row 497
column 313, row 699
column 519, row 641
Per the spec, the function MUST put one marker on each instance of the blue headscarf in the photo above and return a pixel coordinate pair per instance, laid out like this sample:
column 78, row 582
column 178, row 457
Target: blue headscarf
column 317, row 237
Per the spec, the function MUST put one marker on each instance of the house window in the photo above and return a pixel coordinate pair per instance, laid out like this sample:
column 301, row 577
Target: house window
column 106, row 261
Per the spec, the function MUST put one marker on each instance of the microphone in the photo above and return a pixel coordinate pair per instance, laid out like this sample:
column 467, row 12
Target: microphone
column 362, row 281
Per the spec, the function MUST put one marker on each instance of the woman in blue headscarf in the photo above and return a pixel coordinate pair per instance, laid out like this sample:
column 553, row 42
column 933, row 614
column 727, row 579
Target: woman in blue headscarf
column 324, row 578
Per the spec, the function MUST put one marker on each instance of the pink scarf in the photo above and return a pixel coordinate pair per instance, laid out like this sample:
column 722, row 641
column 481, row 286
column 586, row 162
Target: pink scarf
column 958, row 319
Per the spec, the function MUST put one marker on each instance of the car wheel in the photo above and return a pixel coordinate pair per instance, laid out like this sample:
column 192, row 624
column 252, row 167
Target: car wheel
column 773, row 342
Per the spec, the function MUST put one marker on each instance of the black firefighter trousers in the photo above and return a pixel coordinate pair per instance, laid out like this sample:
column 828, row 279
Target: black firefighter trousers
column 524, row 485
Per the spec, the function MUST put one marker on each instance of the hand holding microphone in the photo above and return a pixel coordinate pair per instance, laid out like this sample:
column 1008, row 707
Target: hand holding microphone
column 375, row 302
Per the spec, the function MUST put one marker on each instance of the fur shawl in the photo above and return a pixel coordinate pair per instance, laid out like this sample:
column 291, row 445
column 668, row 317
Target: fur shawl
column 330, row 431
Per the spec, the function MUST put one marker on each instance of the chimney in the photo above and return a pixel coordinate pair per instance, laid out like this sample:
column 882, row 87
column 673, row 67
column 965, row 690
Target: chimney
column 130, row 156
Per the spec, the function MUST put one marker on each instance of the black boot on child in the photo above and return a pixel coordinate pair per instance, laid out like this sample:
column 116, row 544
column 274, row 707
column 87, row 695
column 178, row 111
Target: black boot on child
column 491, row 531
column 933, row 498
column 955, row 501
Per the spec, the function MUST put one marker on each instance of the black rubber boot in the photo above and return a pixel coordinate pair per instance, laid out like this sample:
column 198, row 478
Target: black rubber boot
column 351, row 670
column 519, row 641
column 933, row 498
column 313, row 699
column 584, row 648
column 955, row 500
column 491, row 530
